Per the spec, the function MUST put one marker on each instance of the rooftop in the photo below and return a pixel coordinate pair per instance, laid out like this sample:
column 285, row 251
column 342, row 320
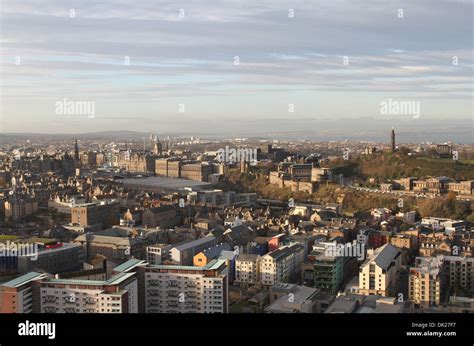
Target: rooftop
column 115, row 280
column 189, row 244
column 165, row 183
column 23, row 279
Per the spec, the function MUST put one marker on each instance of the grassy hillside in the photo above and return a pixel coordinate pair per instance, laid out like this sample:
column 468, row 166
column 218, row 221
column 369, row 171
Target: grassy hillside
column 385, row 166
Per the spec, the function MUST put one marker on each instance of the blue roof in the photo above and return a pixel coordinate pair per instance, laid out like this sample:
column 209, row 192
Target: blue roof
column 116, row 279
column 23, row 279
column 126, row 266
column 212, row 265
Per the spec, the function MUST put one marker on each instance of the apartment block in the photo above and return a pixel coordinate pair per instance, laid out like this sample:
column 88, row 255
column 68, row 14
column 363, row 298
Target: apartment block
column 16, row 296
column 281, row 265
column 181, row 289
column 119, row 294
column 426, row 282
column 247, row 270
column 459, row 273
column 42, row 294
column 380, row 272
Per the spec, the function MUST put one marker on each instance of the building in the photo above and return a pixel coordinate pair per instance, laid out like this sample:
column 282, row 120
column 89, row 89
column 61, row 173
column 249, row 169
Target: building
column 16, row 296
column 247, row 270
column 119, row 294
column 459, row 274
column 432, row 185
column 281, row 265
column 198, row 171
column 175, row 168
column 426, row 282
column 18, row 208
column 180, row 289
column 53, row 258
column 449, row 225
column 328, row 272
column 406, row 243
column 204, row 257
column 462, row 188
column 184, row 252
column 162, row 184
column 138, row 163
column 89, row 159
column 291, row 298
column 164, row 216
column 170, row 167
column 444, row 150
column 223, row 198
column 42, row 294
column 90, row 214
column 321, row 174
column 380, row 272
column 157, row 254
column 117, row 243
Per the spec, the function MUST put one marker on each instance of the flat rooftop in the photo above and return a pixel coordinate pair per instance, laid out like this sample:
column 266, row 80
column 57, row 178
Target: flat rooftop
column 114, row 280
column 165, row 184
column 23, row 279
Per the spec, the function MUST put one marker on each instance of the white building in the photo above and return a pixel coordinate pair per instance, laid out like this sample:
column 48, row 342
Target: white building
column 181, row 289
column 157, row 254
column 246, row 269
column 281, row 265
column 380, row 272
column 116, row 295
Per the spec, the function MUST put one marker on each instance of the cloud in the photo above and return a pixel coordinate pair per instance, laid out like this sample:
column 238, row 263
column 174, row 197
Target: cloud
column 173, row 57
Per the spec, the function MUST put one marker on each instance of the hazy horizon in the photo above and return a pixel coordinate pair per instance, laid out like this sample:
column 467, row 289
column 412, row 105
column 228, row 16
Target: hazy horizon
column 299, row 69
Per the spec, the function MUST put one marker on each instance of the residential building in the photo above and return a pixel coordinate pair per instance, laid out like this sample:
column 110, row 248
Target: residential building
column 180, row 289
column 204, row 257
column 54, row 295
column 459, row 274
column 281, row 265
column 16, row 296
column 426, row 282
column 380, row 272
column 247, row 270
column 184, row 252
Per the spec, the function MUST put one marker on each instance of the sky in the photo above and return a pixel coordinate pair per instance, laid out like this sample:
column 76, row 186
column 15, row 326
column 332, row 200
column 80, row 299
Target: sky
column 242, row 67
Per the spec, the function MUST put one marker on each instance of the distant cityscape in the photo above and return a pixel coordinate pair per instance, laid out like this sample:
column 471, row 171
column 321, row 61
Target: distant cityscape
column 169, row 224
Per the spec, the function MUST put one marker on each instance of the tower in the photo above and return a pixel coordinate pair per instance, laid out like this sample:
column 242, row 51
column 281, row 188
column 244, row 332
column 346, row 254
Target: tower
column 76, row 152
column 393, row 139
column 157, row 148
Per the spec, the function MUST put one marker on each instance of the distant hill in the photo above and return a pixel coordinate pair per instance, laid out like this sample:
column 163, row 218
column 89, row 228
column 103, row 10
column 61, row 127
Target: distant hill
column 102, row 134
column 386, row 166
